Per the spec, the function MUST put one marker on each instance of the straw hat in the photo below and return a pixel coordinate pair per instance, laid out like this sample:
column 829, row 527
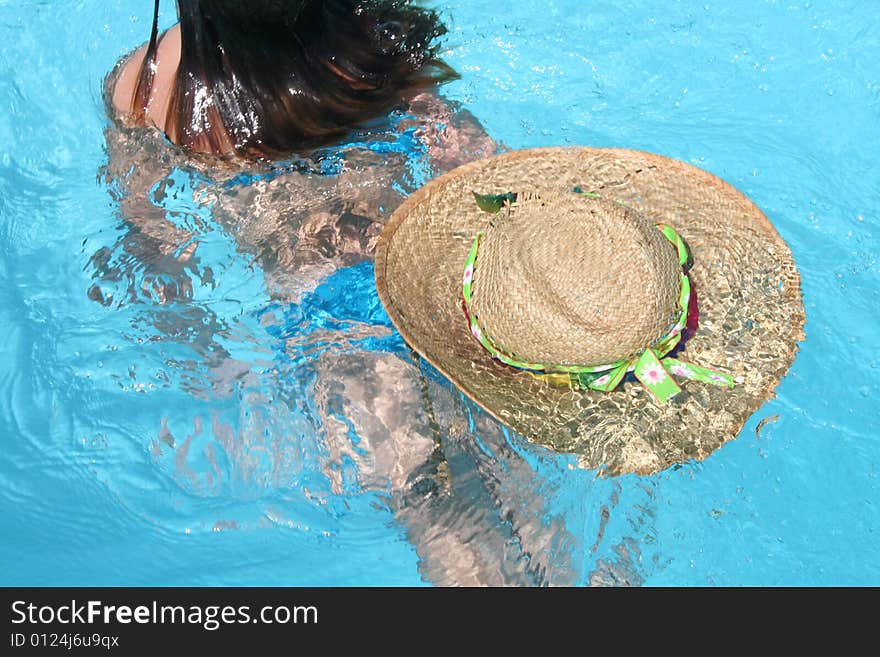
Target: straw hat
column 558, row 288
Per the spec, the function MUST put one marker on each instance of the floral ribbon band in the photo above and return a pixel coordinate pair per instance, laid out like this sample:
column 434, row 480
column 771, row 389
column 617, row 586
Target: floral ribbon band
column 653, row 366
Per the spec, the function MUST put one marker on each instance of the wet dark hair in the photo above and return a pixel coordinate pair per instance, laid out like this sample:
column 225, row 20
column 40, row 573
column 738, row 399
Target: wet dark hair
column 274, row 76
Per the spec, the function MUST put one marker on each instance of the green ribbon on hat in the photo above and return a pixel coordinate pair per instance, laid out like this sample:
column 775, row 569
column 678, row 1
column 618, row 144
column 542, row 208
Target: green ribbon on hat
column 652, row 366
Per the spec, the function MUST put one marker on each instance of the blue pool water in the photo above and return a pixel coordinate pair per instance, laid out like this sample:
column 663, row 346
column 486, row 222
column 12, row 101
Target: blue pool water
column 131, row 456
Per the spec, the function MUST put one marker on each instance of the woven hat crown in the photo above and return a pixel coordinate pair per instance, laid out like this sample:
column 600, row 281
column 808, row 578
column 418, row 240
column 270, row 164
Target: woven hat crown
column 566, row 279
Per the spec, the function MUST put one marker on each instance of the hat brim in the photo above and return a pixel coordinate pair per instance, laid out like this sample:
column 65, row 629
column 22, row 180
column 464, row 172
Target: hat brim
column 751, row 312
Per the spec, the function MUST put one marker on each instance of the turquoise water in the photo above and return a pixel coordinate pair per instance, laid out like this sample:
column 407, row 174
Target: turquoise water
column 782, row 99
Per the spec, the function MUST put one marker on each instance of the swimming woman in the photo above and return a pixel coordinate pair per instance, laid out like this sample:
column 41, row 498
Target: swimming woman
column 301, row 121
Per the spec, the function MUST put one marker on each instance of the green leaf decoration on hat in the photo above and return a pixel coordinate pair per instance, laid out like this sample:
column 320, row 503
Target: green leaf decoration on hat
column 492, row 203
column 580, row 190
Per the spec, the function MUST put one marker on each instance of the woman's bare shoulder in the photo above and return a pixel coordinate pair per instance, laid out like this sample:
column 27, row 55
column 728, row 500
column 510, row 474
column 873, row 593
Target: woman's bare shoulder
column 123, row 80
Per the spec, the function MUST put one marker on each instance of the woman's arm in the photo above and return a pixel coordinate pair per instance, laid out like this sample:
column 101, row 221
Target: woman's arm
column 452, row 135
column 152, row 252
